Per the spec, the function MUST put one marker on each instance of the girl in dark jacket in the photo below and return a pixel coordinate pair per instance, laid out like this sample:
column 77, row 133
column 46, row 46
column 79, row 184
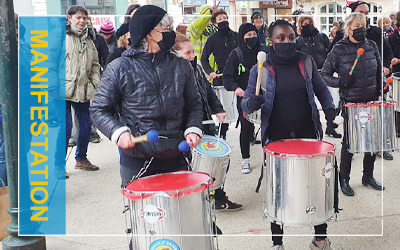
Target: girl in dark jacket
column 311, row 41
column 363, row 86
column 236, row 77
column 288, row 105
column 211, row 105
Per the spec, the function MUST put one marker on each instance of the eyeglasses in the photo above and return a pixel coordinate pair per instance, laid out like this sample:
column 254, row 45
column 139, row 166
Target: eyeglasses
column 165, row 28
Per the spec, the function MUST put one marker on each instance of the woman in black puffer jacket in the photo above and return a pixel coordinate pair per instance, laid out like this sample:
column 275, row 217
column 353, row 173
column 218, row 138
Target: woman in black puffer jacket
column 149, row 88
column 311, row 41
column 363, row 86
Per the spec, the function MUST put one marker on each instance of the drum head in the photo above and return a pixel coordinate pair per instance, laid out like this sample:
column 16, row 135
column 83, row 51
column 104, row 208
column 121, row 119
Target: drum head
column 306, row 148
column 185, row 182
column 211, row 146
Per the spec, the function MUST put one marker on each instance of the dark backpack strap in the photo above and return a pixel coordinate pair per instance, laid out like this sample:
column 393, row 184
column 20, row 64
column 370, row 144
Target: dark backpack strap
column 308, row 67
column 336, row 189
column 261, row 175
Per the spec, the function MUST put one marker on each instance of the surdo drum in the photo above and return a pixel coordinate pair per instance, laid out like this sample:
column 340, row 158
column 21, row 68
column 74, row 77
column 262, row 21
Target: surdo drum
column 163, row 208
column 300, row 180
column 370, row 127
column 228, row 101
column 211, row 156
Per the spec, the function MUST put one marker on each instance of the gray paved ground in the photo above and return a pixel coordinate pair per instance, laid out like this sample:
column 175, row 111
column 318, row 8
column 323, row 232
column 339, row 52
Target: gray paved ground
column 94, row 207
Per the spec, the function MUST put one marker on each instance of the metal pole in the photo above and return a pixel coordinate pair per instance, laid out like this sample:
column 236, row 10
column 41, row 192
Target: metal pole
column 334, row 10
column 9, row 105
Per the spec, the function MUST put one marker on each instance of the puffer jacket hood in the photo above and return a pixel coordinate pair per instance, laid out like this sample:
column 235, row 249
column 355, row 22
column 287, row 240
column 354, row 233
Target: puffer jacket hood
column 367, row 74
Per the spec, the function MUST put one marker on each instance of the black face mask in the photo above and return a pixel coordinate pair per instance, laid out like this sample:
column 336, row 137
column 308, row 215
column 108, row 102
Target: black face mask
column 252, row 42
column 359, row 34
column 194, row 62
column 307, row 30
column 168, row 40
column 223, row 27
column 285, row 50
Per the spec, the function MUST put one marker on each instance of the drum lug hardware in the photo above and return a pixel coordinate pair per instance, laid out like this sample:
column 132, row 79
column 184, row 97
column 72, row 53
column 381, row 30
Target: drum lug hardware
column 126, row 209
column 310, row 209
column 152, row 232
column 388, row 141
column 128, row 231
column 363, row 126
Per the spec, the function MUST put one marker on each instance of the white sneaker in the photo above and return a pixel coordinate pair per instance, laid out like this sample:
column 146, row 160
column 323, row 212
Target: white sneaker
column 246, row 166
column 323, row 244
column 278, row 247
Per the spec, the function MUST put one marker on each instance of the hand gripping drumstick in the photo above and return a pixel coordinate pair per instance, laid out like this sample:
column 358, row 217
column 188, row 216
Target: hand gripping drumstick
column 151, row 136
column 183, row 146
column 261, row 57
column 360, row 52
column 389, row 81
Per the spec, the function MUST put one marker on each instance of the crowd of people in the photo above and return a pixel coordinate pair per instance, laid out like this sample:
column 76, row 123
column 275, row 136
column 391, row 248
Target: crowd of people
column 144, row 76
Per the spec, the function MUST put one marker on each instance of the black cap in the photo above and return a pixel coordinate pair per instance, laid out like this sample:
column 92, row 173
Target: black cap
column 354, row 5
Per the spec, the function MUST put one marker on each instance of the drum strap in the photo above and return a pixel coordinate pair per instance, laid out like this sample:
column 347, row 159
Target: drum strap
column 261, row 176
column 143, row 170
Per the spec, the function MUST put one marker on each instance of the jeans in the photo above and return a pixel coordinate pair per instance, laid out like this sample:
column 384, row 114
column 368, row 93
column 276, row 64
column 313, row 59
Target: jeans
column 85, row 124
column 3, row 171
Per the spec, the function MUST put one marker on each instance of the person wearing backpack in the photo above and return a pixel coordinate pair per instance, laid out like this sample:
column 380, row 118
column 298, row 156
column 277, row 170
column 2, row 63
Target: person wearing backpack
column 288, row 106
column 235, row 78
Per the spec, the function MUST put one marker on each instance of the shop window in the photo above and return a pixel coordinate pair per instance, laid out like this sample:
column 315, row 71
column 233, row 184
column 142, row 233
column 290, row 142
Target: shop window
column 327, row 17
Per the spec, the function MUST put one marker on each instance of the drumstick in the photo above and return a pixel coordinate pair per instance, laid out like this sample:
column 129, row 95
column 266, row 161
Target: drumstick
column 219, row 75
column 261, row 57
column 219, row 132
column 360, row 52
column 389, row 81
column 183, row 146
column 151, row 136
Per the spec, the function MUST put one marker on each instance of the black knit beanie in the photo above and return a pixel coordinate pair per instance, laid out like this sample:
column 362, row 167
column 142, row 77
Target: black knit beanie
column 255, row 14
column 354, row 5
column 143, row 22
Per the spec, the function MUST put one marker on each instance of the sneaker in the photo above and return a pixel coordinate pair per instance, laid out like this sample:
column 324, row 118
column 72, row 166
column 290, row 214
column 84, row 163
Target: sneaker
column 86, row 165
column 278, row 247
column 246, row 166
column 321, row 244
column 226, row 205
column 333, row 133
column 95, row 138
column 386, row 155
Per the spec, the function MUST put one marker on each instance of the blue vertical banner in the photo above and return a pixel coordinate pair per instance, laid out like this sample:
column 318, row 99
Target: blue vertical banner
column 42, row 129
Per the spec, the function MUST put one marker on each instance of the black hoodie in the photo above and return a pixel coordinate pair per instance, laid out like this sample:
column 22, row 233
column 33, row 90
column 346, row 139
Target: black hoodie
column 231, row 78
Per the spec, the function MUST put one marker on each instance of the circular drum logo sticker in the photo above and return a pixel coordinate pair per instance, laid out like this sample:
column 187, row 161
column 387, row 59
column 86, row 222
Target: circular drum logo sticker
column 152, row 214
column 363, row 117
column 164, row 244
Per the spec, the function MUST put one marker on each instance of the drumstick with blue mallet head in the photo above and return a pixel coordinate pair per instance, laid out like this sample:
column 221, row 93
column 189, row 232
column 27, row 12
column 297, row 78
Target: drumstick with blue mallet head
column 151, row 136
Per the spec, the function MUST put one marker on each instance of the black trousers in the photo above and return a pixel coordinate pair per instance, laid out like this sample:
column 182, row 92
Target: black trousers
column 346, row 156
column 320, row 230
column 246, row 132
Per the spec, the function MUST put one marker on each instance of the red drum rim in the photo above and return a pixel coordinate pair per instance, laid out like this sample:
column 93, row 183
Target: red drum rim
column 371, row 104
column 299, row 148
column 176, row 184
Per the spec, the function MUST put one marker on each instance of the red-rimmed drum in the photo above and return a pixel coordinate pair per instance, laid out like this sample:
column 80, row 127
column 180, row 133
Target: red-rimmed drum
column 370, row 127
column 211, row 156
column 396, row 90
column 164, row 208
column 228, row 101
column 300, row 180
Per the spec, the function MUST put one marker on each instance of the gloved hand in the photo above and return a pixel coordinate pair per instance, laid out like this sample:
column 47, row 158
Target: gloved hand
column 346, row 80
column 255, row 102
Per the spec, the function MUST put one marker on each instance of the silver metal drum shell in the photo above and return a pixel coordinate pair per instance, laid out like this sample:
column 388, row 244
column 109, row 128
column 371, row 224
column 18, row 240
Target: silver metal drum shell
column 396, row 90
column 296, row 191
column 376, row 135
column 254, row 117
column 229, row 102
column 216, row 167
column 185, row 215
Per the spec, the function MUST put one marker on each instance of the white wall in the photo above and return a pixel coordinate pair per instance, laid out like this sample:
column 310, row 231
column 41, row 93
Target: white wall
column 23, row 7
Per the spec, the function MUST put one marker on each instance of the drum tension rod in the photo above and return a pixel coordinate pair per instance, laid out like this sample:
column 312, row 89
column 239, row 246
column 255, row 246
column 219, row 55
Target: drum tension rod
column 126, row 209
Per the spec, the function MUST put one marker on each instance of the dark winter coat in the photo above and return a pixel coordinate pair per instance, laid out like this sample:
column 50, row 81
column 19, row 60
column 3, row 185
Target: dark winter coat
column 394, row 42
column 147, row 91
column 316, row 46
column 315, row 87
column 367, row 74
column 116, row 53
column 102, row 49
column 220, row 46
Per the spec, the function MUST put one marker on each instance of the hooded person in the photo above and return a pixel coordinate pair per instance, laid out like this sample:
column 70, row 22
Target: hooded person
column 148, row 88
column 235, row 78
column 258, row 21
column 108, row 32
